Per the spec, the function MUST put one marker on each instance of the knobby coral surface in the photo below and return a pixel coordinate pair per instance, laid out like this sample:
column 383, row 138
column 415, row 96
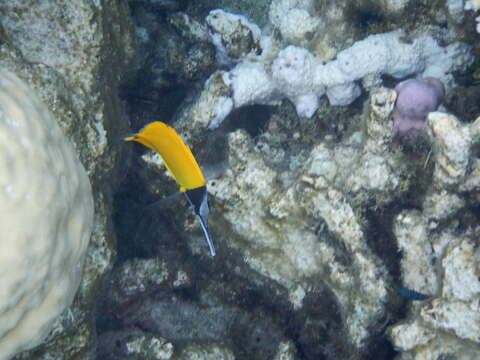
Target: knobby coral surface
column 73, row 54
column 47, row 217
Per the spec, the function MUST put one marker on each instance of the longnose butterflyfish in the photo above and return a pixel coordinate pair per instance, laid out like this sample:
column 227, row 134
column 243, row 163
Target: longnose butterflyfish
column 181, row 165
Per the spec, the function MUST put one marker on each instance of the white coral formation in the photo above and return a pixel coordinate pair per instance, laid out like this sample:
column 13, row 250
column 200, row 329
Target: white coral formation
column 197, row 351
column 452, row 143
column 411, row 231
column 233, row 35
column 286, row 351
column 47, row 214
column 442, row 324
column 474, row 5
column 441, row 263
column 295, row 73
column 294, row 19
column 278, row 224
column 160, row 348
column 274, row 218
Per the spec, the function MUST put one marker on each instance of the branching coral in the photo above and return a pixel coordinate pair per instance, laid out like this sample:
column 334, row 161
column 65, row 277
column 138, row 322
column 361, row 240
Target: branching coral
column 437, row 258
column 284, row 230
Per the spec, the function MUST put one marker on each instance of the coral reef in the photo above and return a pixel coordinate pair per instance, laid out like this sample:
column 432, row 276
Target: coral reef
column 295, row 73
column 200, row 352
column 319, row 213
column 276, row 214
column 295, row 20
column 42, row 252
column 279, row 218
column 437, row 258
column 327, row 234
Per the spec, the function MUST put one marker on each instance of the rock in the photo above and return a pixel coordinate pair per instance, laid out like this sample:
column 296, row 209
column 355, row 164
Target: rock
column 133, row 345
column 441, row 205
column 183, row 321
column 452, row 314
column 137, row 277
column 214, row 104
column 461, row 265
column 233, row 35
column 409, row 335
column 207, row 351
column 457, row 316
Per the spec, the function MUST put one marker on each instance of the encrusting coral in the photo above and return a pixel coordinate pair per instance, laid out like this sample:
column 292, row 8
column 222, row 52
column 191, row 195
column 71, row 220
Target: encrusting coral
column 47, row 216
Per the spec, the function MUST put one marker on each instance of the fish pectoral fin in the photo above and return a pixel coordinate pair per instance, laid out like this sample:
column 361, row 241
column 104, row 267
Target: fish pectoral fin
column 206, row 233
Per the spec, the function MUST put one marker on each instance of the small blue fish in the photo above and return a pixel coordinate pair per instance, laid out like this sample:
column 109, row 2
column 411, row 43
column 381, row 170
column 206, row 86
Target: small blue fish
column 412, row 294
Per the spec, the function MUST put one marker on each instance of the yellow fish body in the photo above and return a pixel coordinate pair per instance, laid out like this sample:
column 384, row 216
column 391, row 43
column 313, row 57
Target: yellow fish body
column 183, row 167
column 176, row 155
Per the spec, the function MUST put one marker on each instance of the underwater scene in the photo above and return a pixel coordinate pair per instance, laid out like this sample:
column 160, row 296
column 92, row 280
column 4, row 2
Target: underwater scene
column 240, row 180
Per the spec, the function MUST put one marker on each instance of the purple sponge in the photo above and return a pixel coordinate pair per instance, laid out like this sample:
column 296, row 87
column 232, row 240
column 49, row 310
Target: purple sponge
column 415, row 99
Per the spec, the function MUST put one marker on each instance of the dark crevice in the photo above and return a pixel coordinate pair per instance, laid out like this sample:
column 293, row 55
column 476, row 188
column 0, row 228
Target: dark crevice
column 253, row 119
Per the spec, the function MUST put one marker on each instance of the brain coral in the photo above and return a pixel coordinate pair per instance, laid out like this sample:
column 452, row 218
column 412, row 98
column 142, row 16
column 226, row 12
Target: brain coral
column 46, row 218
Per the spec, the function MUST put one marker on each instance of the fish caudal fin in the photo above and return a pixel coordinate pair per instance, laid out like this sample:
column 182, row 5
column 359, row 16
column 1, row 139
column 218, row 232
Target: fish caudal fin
column 198, row 199
column 204, row 227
